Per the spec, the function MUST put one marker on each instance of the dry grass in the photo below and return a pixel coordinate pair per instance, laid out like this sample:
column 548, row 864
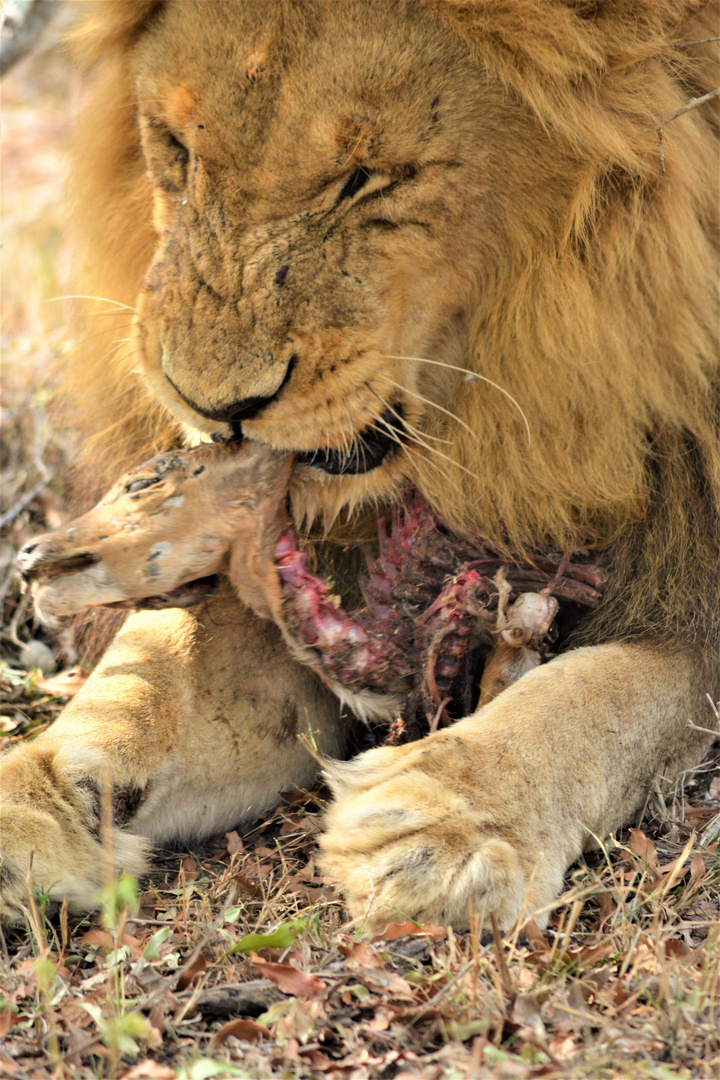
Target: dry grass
column 626, row 982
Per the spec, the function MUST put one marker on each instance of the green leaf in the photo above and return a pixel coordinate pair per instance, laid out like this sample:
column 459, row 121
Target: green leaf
column 152, row 949
column 276, row 1012
column 96, row 1012
column 204, row 1068
column 280, row 938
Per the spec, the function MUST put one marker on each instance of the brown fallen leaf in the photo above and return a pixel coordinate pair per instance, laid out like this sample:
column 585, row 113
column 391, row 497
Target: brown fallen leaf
column 644, row 849
column 698, row 815
column 248, row 1030
column 235, row 845
column 382, row 981
column 698, row 869
column 405, row 929
column 150, row 1070
column 6, row 1022
column 290, row 979
column 526, row 1011
column 191, row 973
column 535, row 936
column 188, row 870
column 300, row 1020
column 677, row 950
column 680, row 872
column 359, row 954
column 105, row 940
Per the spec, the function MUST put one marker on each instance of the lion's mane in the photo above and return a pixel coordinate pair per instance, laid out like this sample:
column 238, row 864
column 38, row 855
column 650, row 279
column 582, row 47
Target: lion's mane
column 601, row 322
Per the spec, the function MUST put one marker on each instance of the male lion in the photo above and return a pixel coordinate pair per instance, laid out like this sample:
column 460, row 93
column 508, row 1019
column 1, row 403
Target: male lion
column 432, row 245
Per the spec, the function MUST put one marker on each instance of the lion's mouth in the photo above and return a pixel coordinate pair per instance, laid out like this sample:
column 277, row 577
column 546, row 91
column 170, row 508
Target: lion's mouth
column 369, row 449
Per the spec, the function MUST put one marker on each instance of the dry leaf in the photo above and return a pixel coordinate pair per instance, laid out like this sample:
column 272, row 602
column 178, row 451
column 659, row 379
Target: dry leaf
column 697, row 867
column 235, row 845
column 290, row 979
column 299, row 1021
column 677, row 950
column 187, row 975
column 6, row 1022
column 150, row 1070
column 189, row 870
column 405, row 929
column 241, row 1029
column 359, row 954
column 526, row 1011
column 646, row 850
column 382, row 981
column 535, row 936
column 105, row 940
column 714, row 791
column 698, row 815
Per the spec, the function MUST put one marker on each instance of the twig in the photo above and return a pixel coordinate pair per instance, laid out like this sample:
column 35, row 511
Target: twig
column 707, row 730
column 712, row 832
column 701, row 41
column 26, row 30
column 692, row 104
column 507, row 983
column 11, row 514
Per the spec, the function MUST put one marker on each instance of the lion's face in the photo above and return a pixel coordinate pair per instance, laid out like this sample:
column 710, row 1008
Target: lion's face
column 327, row 211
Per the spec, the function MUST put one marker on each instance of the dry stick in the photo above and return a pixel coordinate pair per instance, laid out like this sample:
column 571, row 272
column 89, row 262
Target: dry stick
column 691, row 104
column 701, row 41
column 500, row 957
column 207, row 937
column 26, row 32
column 35, row 919
column 707, row 730
column 11, row 514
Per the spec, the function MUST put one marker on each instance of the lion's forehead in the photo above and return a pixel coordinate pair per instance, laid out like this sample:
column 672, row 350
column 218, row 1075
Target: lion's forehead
column 283, row 97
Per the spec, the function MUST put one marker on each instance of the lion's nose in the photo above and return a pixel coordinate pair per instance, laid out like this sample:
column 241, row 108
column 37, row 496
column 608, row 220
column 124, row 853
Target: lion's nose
column 244, row 409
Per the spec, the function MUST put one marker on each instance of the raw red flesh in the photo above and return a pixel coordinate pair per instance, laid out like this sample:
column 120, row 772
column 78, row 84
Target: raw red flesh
column 430, row 611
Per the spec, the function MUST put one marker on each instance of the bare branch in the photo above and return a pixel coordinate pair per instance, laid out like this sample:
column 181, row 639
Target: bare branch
column 701, row 41
column 23, row 22
column 692, row 104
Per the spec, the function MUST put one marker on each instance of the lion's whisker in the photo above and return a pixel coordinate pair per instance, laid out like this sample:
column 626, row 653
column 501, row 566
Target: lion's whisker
column 434, row 404
column 432, row 449
column 82, row 296
column 474, row 375
column 102, row 333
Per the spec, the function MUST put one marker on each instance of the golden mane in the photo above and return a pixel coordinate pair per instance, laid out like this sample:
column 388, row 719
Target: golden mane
column 594, row 414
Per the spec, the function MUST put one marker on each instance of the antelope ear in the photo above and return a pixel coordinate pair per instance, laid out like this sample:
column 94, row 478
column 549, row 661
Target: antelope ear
column 110, row 26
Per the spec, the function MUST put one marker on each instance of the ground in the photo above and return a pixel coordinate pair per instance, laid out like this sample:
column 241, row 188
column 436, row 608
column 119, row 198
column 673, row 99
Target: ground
column 235, row 959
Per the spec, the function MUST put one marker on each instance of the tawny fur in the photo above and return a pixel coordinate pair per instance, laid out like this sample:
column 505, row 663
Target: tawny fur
column 530, row 238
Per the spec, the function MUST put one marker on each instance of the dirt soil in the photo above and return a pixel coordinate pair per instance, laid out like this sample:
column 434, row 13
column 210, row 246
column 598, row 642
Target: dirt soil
column 235, row 959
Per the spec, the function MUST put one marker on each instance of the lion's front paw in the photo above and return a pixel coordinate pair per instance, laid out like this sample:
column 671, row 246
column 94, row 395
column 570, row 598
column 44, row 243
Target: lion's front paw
column 417, row 833
column 49, row 834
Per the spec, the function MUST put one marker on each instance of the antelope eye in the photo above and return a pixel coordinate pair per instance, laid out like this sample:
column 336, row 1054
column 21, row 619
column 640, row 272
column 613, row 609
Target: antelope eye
column 139, row 485
column 182, row 154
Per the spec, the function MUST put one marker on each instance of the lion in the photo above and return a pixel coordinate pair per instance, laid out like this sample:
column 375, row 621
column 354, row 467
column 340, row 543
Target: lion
column 457, row 248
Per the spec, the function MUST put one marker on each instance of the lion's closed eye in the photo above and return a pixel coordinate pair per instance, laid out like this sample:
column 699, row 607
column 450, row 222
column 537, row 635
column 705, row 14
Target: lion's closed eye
column 365, row 182
column 354, row 183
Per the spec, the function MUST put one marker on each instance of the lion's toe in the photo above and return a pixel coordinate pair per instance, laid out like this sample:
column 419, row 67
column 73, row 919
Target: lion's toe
column 414, row 847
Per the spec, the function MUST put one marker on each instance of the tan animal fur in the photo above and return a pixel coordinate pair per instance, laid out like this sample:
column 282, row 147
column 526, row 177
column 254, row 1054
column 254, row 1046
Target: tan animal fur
column 512, row 221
